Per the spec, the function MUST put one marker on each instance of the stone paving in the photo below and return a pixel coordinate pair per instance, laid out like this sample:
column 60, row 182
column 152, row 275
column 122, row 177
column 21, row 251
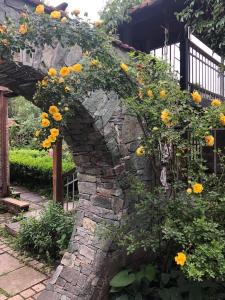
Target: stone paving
column 20, row 277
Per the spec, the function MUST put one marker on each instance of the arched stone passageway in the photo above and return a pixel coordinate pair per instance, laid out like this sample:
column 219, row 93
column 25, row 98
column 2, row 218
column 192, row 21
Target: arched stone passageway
column 102, row 137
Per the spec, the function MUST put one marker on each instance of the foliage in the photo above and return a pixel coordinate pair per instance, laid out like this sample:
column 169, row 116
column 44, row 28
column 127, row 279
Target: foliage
column 26, row 115
column 176, row 127
column 207, row 19
column 184, row 210
column 48, row 236
column 34, row 168
column 147, row 283
column 116, row 12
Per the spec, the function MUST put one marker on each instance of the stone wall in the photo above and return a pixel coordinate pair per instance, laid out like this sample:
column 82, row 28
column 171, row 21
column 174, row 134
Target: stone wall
column 103, row 137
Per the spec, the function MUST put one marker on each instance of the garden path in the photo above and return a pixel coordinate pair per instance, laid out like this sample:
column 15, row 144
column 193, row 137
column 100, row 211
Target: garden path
column 21, row 277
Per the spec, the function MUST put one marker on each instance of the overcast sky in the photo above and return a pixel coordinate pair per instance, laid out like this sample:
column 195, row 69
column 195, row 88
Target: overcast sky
column 90, row 6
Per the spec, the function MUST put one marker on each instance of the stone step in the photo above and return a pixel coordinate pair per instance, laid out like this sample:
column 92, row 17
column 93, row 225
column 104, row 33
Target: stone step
column 13, row 228
column 15, row 206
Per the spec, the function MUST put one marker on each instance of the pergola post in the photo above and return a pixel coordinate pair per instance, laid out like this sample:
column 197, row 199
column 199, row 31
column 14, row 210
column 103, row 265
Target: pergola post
column 4, row 148
column 184, row 60
column 57, row 172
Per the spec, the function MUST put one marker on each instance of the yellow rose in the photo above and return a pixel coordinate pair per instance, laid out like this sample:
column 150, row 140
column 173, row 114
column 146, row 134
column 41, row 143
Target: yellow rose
column 197, row 98
column 65, row 71
column 64, row 20
column 40, row 9
column 165, row 116
column 77, row 68
column 53, row 109
column 222, row 119
column 180, row 259
column 216, row 103
column 54, row 132
column 44, row 115
column 76, row 12
column 189, row 191
column 140, row 151
column 162, row 94
column 55, row 14
column 45, row 123
column 209, row 139
column 52, row 72
column 46, row 144
column 197, row 188
column 23, row 28
column 150, row 93
column 57, row 117
column 124, row 67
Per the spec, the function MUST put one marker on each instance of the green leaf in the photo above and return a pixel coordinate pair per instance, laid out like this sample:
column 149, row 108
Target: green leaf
column 122, row 279
column 150, row 272
column 140, row 275
column 115, row 290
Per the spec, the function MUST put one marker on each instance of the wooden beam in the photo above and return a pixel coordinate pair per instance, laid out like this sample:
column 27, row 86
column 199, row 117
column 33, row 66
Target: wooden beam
column 57, row 172
column 4, row 158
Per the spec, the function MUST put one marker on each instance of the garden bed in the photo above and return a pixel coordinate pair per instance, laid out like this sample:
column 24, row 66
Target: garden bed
column 33, row 168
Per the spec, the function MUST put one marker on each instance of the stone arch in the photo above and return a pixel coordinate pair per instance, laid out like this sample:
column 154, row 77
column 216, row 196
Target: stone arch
column 103, row 137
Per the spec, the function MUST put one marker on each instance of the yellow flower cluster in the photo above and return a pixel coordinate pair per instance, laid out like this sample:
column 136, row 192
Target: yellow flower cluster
column 65, row 71
column 180, row 259
column 196, row 188
column 45, row 122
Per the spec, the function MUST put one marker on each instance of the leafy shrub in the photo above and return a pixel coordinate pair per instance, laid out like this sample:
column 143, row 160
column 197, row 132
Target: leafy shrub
column 48, row 236
column 34, row 168
column 26, row 116
column 147, row 283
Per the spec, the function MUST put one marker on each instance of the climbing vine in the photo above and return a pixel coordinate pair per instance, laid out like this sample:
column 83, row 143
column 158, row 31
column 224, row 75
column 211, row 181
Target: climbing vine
column 175, row 127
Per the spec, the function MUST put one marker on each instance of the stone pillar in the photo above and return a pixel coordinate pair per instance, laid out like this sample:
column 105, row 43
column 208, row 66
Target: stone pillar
column 4, row 160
